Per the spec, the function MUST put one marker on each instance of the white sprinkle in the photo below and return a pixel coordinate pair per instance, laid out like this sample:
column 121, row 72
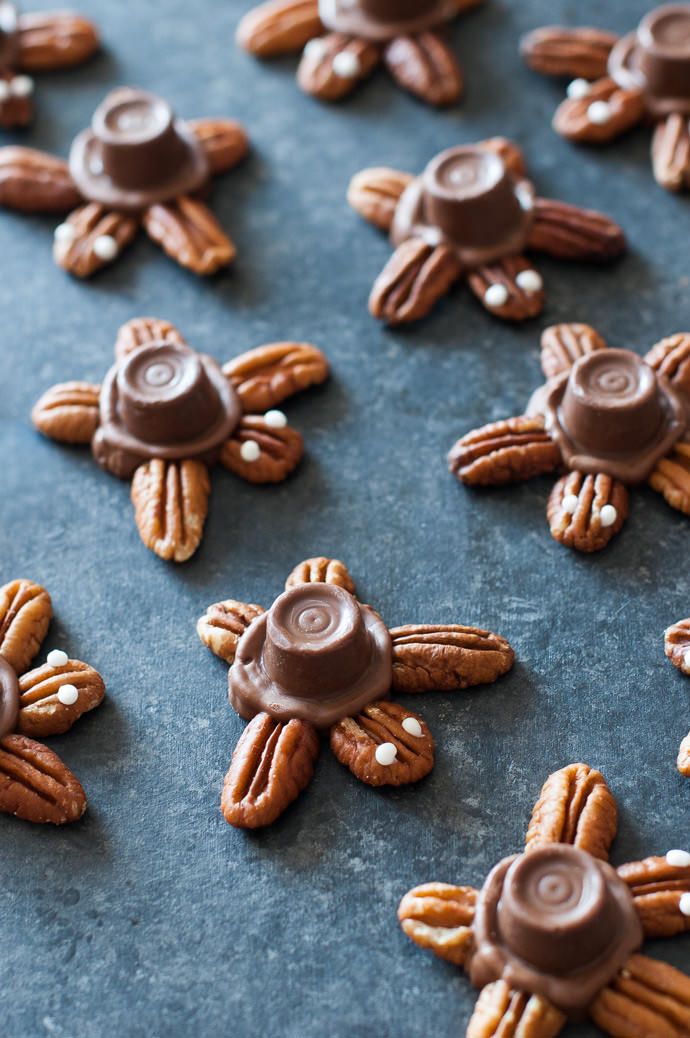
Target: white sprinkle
column 525, row 197
column 529, row 281
column 599, row 112
column 570, row 503
column 68, row 695
column 65, row 233
column 413, row 727
column 346, row 65
column 316, row 49
column 22, row 86
column 686, row 660
column 57, row 658
column 577, row 89
column 684, row 904
column 496, row 295
column 105, row 247
column 608, row 515
column 678, row 859
column 275, row 419
column 250, row 451
column 386, row 753
column 4, row 90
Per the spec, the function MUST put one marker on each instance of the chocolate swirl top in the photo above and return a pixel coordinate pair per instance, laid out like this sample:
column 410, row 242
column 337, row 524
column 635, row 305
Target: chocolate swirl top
column 656, row 59
column 9, row 40
column 9, row 698
column 382, row 20
column 317, row 655
column 163, row 400
column 554, row 922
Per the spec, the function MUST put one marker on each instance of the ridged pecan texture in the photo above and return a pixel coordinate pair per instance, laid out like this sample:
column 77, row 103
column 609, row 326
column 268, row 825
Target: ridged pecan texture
column 68, row 412
column 577, row 807
column 439, row 916
column 25, row 614
column 321, row 570
column 504, row 452
column 446, row 657
column 223, row 624
column 360, row 743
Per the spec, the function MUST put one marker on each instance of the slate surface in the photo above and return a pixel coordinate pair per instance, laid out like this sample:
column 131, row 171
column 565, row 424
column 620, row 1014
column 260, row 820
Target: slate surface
column 152, row 916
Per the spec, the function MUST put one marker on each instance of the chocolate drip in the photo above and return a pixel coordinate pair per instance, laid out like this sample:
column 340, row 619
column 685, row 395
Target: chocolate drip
column 656, row 59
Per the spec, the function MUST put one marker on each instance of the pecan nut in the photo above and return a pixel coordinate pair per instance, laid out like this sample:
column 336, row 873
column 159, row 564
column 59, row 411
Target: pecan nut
column 425, row 65
column 91, row 238
column 671, row 152
column 279, row 27
column 265, row 376
column 683, row 760
column 223, row 624
column 585, row 512
column 34, row 182
column 657, row 888
column 562, row 345
column 575, row 806
column 569, row 232
column 272, row 763
column 42, row 711
column 224, row 141
column 142, row 330
column 606, row 111
column 671, row 477
column 35, row 785
column 170, row 506
column 416, row 276
column 189, row 233
column 375, row 193
column 333, row 65
column 504, row 452
column 380, row 749
column 25, row 614
column 439, row 917
column 54, row 40
column 321, row 570
column 575, row 53
column 502, row 1011
column 68, row 412
column 277, row 451
column 647, row 998
column 671, row 358
column 446, row 657
column 677, row 645
column 509, row 288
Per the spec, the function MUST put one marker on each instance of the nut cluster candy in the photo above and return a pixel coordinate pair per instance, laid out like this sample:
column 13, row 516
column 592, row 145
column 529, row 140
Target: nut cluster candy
column 165, row 414
column 608, row 416
column 34, row 783
column 343, row 41
column 43, row 42
column 555, row 932
column 677, row 648
column 618, row 83
column 320, row 661
column 472, row 214
column 138, row 165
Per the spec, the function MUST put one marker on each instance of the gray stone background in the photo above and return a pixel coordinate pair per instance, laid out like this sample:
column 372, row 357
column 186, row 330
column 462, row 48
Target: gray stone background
column 152, row 916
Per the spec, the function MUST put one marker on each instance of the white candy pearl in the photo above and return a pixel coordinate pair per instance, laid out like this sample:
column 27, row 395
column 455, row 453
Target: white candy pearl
column 413, row 727
column 68, row 695
column 22, row 86
column 570, row 503
column 275, row 419
column 57, row 658
column 678, row 859
column 315, row 49
column 496, row 295
column 64, row 233
column 599, row 112
column 529, row 281
column 386, row 753
column 250, row 451
column 685, row 904
column 105, row 247
column 686, row 659
column 346, row 65
column 608, row 515
column 577, row 89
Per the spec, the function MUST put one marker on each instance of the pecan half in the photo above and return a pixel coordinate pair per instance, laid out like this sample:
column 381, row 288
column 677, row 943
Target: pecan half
column 648, row 999
column 91, row 238
column 42, row 711
column 671, row 358
column 575, row 53
column 671, row 477
column 677, row 645
column 439, row 917
column 446, row 657
column 224, row 141
column 142, row 330
column 223, row 624
column 510, row 288
column 170, row 501
column 671, row 152
column 68, row 412
column 333, row 65
column 508, row 151
column 279, row 27
column 504, row 452
column 683, row 759
column 501, row 1012
column 379, row 750
column 575, row 806
column 272, row 763
column 585, row 512
column 25, row 614
column 53, row 40
column 416, row 276
column 657, row 888
column 189, row 233
column 265, row 376
column 563, row 344
column 425, row 65
column 375, row 193
column 605, row 112
column 321, row 570
column 35, row 785
column 277, row 451
column 35, row 182
column 569, row 232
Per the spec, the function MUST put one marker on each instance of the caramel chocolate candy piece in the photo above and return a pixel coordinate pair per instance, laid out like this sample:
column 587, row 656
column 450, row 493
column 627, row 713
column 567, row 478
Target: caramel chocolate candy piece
column 656, row 59
column 9, row 698
column 382, row 20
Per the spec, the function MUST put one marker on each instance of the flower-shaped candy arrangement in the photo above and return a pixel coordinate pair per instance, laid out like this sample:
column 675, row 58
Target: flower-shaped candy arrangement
column 471, row 214
column 41, row 42
column 618, row 83
column 320, row 661
column 610, row 417
column 555, row 932
column 407, row 35
column 166, row 413
column 34, row 783
column 136, row 166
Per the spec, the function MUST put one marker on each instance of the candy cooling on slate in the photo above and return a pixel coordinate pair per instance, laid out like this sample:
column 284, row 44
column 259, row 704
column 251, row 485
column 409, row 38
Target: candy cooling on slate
column 609, row 416
column 320, row 661
column 136, row 166
column 471, row 214
column 34, row 783
column 166, row 413
column 555, row 932
column 44, row 42
column 677, row 644
column 618, row 83
column 343, row 41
